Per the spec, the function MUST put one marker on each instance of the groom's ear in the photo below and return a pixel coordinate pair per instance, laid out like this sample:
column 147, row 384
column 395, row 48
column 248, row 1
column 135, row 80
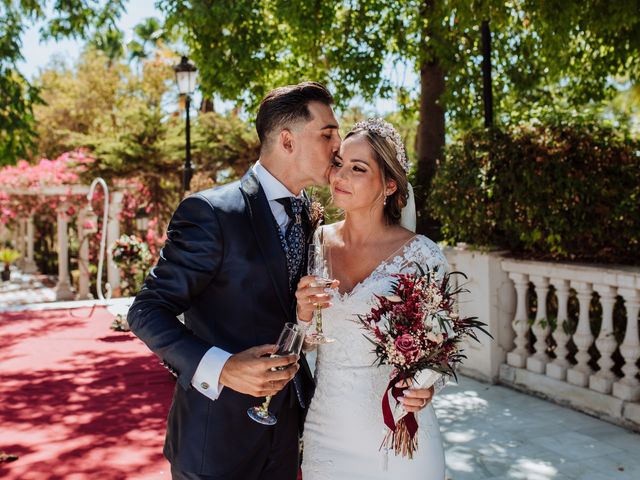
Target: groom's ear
column 286, row 140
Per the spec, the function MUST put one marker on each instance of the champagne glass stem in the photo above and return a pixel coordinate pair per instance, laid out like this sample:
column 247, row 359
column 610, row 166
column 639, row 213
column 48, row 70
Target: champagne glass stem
column 317, row 313
column 265, row 405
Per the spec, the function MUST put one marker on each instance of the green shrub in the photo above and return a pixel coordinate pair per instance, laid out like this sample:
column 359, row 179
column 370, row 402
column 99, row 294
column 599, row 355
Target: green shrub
column 550, row 191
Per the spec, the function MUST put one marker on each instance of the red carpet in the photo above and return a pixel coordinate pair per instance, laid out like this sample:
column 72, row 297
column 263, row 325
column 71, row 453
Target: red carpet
column 78, row 400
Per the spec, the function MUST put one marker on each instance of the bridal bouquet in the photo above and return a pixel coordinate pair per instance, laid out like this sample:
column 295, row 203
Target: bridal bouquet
column 414, row 329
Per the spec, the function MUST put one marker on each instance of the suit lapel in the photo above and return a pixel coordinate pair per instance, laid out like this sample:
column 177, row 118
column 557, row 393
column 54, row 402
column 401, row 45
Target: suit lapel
column 266, row 237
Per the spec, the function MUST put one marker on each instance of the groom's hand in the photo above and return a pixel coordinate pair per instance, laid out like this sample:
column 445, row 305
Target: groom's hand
column 252, row 373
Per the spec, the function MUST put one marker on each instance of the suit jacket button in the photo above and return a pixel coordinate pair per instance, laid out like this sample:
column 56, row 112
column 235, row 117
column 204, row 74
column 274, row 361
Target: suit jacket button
column 204, row 385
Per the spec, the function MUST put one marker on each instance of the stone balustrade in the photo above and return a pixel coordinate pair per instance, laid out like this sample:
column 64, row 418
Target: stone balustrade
column 573, row 330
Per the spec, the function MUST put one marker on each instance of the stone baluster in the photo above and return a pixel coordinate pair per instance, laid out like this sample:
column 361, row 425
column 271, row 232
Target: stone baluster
column 628, row 388
column 22, row 233
column 63, row 287
column 83, row 256
column 113, row 234
column 579, row 373
column 29, row 263
column 602, row 380
column 558, row 367
column 538, row 362
column 518, row 356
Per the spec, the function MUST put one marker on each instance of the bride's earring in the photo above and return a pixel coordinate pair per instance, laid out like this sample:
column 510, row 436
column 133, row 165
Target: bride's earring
column 384, row 202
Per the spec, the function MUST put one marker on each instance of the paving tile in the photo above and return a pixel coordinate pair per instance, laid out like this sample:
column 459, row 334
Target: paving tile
column 621, row 466
column 576, row 445
column 495, row 433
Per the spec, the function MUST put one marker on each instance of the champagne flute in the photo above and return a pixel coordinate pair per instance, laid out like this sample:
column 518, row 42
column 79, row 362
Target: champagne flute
column 289, row 343
column 318, row 267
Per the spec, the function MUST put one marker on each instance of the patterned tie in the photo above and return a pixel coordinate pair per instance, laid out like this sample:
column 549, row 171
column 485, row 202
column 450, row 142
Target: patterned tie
column 293, row 244
column 293, row 241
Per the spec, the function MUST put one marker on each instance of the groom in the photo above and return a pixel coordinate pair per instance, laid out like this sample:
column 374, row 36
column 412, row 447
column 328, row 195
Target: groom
column 224, row 266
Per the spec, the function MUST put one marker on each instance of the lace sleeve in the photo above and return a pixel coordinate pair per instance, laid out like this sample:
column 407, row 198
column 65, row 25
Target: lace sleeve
column 440, row 384
column 424, row 253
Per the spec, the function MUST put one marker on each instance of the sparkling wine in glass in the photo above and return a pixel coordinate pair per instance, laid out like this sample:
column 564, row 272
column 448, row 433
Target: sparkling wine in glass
column 318, row 267
column 289, row 343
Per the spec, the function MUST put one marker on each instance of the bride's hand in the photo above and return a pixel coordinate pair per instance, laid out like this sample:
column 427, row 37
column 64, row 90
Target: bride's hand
column 309, row 297
column 414, row 399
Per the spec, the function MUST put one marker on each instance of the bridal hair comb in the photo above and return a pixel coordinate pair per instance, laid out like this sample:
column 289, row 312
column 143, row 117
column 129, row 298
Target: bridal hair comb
column 386, row 130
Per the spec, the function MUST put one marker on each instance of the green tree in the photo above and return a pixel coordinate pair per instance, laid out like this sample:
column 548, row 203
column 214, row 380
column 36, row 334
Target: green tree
column 149, row 36
column 111, row 42
column 70, row 18
column 549, row 54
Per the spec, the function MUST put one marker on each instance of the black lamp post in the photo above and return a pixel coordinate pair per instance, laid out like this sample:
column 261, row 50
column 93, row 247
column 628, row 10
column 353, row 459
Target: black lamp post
column 186, row 80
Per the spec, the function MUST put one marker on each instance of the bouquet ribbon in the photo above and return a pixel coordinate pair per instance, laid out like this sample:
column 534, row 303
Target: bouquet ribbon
column 409, row 420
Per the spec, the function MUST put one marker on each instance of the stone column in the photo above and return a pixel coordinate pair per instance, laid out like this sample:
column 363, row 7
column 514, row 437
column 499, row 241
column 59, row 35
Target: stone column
column 558, row 368
column 22, row 232
column 538, row 362
column 29, row 263
column 579, row 373
column 518, row 356
column 602, row 381
column 628, row 388
column 63, row 287
column 113, row 233
column 83, row 256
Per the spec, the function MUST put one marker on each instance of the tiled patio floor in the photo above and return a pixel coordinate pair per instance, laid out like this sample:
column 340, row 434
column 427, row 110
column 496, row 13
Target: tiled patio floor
column 24, row 289
column 493, row 432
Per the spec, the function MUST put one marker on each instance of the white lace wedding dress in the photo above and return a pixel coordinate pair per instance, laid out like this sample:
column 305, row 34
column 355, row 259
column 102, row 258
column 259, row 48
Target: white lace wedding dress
column 344, row 427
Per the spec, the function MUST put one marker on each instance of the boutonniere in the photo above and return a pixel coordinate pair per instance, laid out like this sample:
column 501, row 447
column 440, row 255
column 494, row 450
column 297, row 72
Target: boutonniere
column 316, row 215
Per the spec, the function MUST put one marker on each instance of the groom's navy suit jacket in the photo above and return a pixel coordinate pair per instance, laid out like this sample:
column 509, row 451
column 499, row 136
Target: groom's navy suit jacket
column 224, row 267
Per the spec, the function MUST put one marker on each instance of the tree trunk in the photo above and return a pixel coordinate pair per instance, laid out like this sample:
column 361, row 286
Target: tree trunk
column 206, row 105
column 429, row 140
column 430, row 135
column 487, row 95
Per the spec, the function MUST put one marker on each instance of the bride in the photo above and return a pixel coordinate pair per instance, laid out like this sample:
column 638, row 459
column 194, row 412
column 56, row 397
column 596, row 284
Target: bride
column 344, row 427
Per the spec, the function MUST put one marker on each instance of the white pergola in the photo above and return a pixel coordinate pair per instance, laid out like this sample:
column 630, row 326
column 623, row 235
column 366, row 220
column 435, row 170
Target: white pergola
column 24, row 236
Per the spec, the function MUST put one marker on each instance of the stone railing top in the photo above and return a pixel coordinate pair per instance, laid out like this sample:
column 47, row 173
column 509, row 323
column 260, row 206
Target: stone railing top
column 622, row 276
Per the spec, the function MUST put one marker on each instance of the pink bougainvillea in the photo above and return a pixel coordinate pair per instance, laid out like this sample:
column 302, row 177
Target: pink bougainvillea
column 22, row 194
column 21, row 185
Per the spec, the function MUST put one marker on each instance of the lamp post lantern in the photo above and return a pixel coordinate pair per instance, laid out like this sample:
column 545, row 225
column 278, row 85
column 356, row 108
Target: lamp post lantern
column 186, row 80
column 142, row 221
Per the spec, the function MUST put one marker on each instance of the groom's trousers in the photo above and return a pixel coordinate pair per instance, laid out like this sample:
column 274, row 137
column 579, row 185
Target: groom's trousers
column 277, row 460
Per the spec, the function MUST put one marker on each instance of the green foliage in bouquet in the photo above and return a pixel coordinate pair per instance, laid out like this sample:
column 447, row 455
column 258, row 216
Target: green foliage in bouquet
column 554, row 191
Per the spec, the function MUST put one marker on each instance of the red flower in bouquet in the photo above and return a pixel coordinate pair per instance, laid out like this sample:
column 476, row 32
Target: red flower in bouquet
column 414, row 329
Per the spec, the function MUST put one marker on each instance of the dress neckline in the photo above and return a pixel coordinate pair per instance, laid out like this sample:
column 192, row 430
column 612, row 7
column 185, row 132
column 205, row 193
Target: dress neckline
column 394, row 254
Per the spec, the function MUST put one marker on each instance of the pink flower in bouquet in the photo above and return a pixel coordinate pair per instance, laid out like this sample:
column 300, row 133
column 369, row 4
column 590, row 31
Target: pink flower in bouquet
column 406, row 345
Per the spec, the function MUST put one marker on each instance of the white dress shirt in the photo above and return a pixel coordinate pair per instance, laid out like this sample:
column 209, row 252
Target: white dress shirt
column 206, row 379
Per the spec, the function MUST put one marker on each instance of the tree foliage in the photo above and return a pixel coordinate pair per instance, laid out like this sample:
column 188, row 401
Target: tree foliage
column 119, row 113
column 543, row 52
column 75, row 18
column 547, row 55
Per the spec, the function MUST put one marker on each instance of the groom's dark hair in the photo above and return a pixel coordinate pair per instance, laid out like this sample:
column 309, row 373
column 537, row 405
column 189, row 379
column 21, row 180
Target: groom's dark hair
column 285, row 106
